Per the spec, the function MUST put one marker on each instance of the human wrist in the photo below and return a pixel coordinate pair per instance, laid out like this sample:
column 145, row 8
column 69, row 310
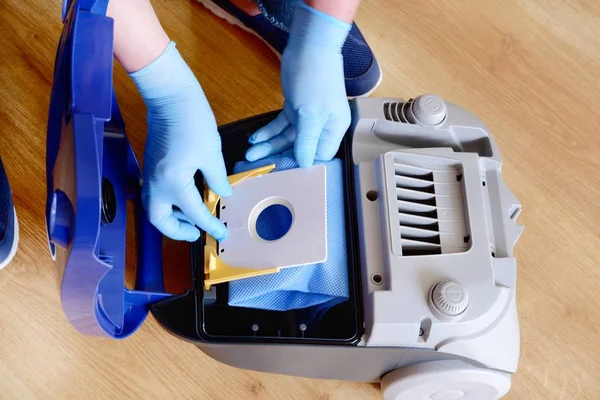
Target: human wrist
column 316, row 28
column 139, row 38
column 344, row 10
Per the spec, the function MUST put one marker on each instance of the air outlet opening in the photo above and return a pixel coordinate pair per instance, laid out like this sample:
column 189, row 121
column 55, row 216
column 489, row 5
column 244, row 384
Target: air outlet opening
column 430, row 206
column 421, row 252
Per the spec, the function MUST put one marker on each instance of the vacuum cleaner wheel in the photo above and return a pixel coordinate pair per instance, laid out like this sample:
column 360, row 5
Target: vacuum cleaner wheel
column 444, row 380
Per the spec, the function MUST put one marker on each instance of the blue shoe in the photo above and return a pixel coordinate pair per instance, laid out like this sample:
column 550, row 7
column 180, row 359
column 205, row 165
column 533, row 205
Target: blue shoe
column 361, row 69
column 9, row 227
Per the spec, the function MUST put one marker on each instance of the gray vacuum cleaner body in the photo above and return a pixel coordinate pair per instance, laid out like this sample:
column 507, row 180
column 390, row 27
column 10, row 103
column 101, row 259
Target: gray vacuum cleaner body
column 432, row 227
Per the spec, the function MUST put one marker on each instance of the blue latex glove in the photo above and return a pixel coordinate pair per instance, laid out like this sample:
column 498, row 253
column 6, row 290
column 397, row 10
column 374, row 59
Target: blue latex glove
column 182, row 138
column 316, row 113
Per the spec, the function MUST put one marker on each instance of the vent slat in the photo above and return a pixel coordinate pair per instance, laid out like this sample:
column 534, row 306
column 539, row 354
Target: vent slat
column 412, row 172
column 412, row 207
column 410, row 167
column 425, row 202
column 415, row 161
column 435, row 239
column 427, row 214
column 412, row 182
column 401, row 169
column 396, row 111
column 434, row 227
column 396, row 114
column 411, row 194
column 442, row 226
column 386, row 111
column 404, row 112
column 411, row 219
column 403, row 182
column 408, row 232
column 430, row 189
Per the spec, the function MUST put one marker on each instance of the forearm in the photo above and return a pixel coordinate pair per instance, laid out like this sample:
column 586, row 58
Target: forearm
column 139, row 37
column 344, row 10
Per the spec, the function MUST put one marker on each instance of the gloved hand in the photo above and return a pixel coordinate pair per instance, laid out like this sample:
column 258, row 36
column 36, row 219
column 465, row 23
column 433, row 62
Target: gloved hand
column 316, row 113
column 182, row 138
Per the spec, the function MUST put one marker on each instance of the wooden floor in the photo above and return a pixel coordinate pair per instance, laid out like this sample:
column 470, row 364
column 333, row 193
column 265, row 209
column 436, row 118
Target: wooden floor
column 529, row 68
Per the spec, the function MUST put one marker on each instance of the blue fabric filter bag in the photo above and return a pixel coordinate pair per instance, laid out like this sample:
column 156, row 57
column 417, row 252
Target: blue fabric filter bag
column 323, row 284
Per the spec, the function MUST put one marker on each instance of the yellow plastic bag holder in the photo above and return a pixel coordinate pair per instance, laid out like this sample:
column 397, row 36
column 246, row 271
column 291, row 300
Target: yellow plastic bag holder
column 215, row 270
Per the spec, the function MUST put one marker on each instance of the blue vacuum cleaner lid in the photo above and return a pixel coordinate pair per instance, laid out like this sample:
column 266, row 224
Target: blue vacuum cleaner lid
column 92, row 173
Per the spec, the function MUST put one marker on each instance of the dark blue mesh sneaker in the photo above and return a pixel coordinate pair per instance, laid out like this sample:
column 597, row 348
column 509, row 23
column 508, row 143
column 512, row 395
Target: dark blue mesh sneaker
column 361, row 69
column 9, row 228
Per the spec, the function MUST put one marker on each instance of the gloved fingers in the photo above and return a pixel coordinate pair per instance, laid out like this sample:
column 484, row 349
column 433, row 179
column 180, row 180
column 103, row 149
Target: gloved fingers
column 329, row 143
column 273, row 146
column 258, row 151
column 165, row 220
column 181, row 217
column 309, row 127
column 288, row 153
column 215, row 173
column 190, row 203
column 333, row 133
column 272, row 129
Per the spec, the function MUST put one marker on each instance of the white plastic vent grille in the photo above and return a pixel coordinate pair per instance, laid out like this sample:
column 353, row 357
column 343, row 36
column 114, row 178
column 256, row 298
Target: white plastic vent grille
column 397, row 111
column 430, row 205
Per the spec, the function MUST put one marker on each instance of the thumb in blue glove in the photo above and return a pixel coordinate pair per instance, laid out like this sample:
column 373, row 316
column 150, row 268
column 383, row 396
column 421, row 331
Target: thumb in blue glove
column 182, row 139
column 316, row 113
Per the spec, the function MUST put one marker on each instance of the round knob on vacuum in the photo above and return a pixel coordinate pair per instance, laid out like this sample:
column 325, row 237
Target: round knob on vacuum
column 429, row 109
column 449, row 298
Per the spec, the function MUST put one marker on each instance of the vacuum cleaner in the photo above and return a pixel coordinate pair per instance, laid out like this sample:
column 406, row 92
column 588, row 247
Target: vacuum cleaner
column 429, row 230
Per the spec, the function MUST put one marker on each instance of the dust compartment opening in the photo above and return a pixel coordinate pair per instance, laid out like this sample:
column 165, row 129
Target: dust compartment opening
column 271, row 219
